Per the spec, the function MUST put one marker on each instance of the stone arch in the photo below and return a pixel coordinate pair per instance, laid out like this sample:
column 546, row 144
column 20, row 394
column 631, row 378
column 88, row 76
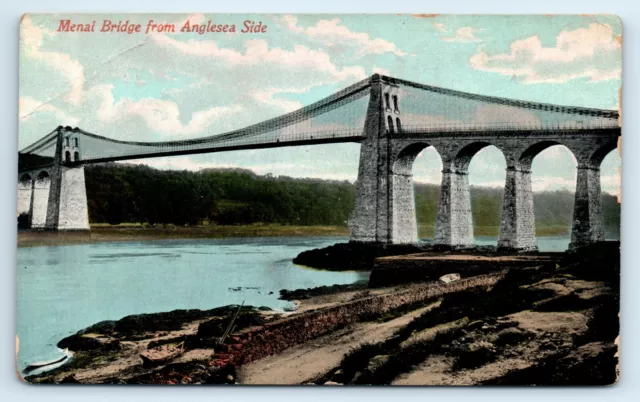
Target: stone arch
column 463, row 157
column 390, row 124
column 525, row 159
column 454, row 224
column 67, row 156
column 25, row 180
column 403, row 163
column 398, row 125
column 519, row 223
column 404, row 227
column 76, row 156
column 598, row 156
column 43, row 177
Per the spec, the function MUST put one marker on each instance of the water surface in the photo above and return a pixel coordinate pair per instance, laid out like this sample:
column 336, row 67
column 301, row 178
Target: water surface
column 62, row 289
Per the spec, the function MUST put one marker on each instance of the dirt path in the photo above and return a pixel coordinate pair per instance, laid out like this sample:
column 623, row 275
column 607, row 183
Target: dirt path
column 312, row 359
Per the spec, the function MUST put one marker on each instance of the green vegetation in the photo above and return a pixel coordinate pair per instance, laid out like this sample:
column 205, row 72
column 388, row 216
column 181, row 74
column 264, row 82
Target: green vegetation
column 123, row 193
column 129, row 194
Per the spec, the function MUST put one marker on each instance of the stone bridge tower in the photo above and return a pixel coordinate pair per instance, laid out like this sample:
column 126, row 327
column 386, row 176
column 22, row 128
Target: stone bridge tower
column 379, row 189
column 67, row 204
column 385, row 207
column 54, row 195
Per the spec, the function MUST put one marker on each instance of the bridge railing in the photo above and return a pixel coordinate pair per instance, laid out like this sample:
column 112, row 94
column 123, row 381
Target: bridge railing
column 114, row 151
column 464, row 128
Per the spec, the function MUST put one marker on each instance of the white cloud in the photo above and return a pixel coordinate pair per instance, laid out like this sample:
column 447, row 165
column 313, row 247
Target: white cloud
column 32, row 37
column 267, row 97
column 591, row 52
column 464, row 35
column 258, row 53
column 161, row 116
column 28, row 105
column 331, row 33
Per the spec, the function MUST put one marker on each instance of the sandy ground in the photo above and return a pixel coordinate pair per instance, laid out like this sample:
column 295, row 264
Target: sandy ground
column 303, row 363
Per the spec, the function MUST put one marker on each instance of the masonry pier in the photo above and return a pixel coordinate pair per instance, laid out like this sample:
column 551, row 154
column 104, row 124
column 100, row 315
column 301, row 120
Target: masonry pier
column 54, row 196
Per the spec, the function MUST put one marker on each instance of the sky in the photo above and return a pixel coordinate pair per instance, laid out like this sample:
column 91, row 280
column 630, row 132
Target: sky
column 166, row 86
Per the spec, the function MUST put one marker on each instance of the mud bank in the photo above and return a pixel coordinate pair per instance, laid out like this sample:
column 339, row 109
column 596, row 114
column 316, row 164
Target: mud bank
column 547, row 324
column 354, row 256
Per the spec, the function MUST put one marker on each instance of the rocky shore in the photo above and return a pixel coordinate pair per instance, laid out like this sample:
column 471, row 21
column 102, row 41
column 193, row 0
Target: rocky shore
column 355, row 256
column 537, row 325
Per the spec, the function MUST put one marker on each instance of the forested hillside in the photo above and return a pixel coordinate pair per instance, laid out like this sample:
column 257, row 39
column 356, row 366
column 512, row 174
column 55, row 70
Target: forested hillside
column 133, row 193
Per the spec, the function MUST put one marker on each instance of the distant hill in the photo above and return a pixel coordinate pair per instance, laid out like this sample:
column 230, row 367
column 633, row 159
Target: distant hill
column 137, row 193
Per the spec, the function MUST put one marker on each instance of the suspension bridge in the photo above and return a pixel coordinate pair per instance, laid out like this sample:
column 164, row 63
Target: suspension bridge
column 393, row 120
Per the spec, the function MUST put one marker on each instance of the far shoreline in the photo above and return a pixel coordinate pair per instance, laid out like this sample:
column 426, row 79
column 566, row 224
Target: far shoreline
column 102, row 232
column 136, row 232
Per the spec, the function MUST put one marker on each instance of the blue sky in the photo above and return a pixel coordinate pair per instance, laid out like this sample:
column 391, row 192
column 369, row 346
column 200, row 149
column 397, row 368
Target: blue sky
column 186, row 85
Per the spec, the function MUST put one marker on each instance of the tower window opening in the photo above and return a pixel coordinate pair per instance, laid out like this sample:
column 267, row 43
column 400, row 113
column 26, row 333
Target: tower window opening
column 76, row 156
column 398, row 125
column 386, row 101
column 395, row 103
column 66, row 140
column 67, row 156
column 390, row 122
column 75, row 142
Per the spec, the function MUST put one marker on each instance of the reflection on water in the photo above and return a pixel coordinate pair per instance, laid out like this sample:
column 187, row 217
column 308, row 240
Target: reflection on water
column 62, row 289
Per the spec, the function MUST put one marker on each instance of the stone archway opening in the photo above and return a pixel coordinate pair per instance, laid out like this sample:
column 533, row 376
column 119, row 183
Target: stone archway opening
column 427, row 176
column 43, row 176
column 486, row 173
column 414, row 210
column 610, row 169
column 553, row 169
column 25, row 181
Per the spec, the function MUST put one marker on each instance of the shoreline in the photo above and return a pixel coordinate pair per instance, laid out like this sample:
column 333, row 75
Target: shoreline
column 136, row 232
column 129, row 232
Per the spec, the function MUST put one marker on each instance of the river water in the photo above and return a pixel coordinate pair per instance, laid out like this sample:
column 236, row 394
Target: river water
column 62, row 289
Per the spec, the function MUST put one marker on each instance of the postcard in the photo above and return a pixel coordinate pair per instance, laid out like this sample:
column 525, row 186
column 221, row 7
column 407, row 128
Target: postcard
column 319, row 199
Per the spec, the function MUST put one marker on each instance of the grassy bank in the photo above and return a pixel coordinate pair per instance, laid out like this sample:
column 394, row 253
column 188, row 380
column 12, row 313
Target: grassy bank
column 134, row 231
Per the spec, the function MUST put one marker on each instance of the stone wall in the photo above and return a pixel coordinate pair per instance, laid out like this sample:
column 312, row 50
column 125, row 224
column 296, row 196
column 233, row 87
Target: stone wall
column 67, row 206
column 256, row 343
column 454, row 222
column 587, row 210
column 369, row 215
column 73, row 212
column 25, row 187
column 517, row 228
column 40, row 202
